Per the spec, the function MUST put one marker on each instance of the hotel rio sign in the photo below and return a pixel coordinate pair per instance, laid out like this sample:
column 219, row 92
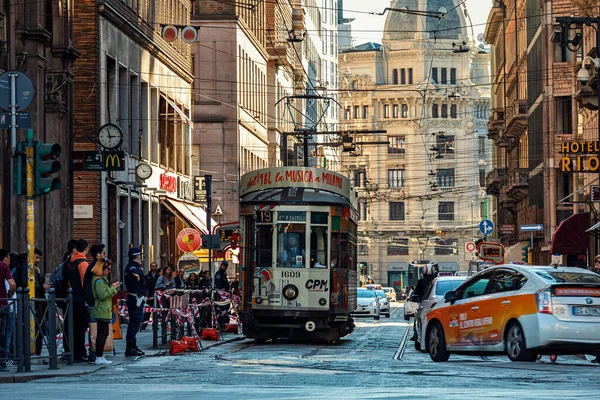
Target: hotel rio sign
column 580, row 157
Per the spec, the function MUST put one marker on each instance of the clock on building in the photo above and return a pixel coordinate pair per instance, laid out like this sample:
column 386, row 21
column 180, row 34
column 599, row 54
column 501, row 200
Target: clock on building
column 110, row 136
column 143, row 171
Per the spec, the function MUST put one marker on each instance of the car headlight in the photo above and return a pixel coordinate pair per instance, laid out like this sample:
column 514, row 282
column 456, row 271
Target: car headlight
column 290, row 292
column 374, row 303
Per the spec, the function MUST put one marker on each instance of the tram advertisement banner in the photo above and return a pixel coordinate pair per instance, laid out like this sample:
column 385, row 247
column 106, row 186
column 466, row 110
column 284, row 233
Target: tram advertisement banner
column 282, row 177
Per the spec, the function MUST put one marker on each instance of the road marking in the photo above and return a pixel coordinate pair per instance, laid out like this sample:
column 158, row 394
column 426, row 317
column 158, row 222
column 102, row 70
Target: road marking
column 400, row 352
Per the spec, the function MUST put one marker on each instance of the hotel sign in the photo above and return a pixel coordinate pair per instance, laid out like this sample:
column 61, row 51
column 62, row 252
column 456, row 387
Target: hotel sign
column 580, row 156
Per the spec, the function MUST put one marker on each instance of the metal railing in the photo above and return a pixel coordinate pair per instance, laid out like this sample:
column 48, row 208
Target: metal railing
column 48, row 328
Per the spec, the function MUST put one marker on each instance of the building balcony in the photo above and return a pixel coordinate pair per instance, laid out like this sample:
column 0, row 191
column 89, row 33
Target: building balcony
column 496, row 124
column 494, row 181
column 506, row 202
column 518, row 183
column 516, row 118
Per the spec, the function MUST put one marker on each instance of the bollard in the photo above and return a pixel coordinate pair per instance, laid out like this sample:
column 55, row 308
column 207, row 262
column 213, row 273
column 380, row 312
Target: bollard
column 69, row 317
column 163, row 322
column 154, row 329
column 52, row 330
column 173, row 328
column 26, row 329
column 18, row 329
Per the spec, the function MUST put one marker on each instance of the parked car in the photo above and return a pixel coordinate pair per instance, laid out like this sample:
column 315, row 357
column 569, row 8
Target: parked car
column 522, row 311
column 367, row 303
column 390, row 293
column 410, row 307
column 384, row 304
column 372, row 286
column 434, row 294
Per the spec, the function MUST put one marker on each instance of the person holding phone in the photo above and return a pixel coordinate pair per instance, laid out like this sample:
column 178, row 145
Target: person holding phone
column 102, row 310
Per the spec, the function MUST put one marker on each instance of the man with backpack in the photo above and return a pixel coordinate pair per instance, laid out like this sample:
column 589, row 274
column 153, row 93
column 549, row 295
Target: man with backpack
column 76, row 273
column 60, row 282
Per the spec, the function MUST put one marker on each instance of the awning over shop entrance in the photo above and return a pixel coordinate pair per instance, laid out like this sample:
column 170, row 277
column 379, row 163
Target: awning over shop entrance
column 397, row 266
column 449, row 266
column 570, row 236
column 194, row 215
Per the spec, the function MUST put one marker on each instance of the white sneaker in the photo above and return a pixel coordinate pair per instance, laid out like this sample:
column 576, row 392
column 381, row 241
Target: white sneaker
column 102, row 361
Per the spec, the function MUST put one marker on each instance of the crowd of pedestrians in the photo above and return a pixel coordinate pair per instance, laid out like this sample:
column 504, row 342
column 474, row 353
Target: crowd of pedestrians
column 86, row 270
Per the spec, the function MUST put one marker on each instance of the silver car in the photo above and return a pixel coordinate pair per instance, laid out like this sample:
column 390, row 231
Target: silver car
column 434, row 294
column 384, row 303
column 367, row 303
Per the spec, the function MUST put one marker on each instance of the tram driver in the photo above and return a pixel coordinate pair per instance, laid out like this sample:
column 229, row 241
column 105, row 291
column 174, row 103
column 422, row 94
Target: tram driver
column 293, row 255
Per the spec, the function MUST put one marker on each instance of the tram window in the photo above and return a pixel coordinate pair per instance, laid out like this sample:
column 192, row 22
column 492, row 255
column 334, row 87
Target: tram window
column 318, row 247
column 265, row 246
column 291, row 246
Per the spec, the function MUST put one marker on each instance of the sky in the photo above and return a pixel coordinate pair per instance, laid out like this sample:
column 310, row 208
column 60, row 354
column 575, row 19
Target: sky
column 369, row 28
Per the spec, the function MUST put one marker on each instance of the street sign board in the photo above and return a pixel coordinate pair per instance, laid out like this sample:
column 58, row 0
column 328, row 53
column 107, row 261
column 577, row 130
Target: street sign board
column 486, row 227
column 23, row 120
column 506, row 229
column 98, row 161
column 211, row 242
column 24, row 90
column 532, row 227
column 199, row 189
column 595, row 193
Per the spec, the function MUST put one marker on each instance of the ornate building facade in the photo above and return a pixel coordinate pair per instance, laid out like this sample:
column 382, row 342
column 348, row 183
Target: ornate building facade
column 421, row 179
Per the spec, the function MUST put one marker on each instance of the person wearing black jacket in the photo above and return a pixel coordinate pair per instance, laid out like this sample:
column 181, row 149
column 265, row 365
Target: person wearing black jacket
column 151, row 279
column 205, row 282
column 221, row 282
column 135, row 281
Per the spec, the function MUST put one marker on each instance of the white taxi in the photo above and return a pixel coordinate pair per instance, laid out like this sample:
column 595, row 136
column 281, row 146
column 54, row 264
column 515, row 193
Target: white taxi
column 518, row 310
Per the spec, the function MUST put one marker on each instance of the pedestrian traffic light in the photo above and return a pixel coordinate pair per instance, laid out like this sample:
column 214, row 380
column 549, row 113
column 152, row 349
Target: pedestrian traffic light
column 525, row 254
column 20, row 170
column 46, row 167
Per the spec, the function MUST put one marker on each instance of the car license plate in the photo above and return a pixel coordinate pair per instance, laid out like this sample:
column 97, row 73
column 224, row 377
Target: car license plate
column 591, row 311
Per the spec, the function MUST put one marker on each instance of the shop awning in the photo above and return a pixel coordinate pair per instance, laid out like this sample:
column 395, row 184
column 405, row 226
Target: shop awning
column 570, row 236
column 194, row 215
column 594, row 230
column 449, row 266
column 397, row 266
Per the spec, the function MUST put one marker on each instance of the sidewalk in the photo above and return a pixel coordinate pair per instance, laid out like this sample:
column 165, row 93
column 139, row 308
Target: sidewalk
column 40, row 371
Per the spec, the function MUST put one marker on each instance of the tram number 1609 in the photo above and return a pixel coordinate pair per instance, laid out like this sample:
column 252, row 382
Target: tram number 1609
column 290, row 274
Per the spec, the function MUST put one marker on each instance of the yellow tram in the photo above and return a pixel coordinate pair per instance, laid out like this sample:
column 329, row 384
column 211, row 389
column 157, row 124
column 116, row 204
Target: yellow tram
column 299, row 254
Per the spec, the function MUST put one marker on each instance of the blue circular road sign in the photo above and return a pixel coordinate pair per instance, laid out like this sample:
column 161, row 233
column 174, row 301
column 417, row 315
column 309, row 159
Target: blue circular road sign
column 23, row 88
column 486, row 227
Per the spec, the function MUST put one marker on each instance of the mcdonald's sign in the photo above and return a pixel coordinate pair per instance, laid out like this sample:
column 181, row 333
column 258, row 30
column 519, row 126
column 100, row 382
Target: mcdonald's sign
column 114, row 161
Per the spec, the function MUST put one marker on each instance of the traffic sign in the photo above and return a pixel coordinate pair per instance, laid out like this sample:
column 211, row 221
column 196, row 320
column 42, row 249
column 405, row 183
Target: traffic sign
column 470, row 247
column 23, row 120
column 532, row 227
column 486, row 227
column 24, row 90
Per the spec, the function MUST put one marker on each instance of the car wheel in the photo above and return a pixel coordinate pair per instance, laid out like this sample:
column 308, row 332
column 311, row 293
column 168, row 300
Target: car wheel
column 516, row 348
column 437, row 343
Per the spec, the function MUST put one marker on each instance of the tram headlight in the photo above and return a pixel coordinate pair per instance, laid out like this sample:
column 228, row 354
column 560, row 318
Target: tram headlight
column 290, row 292
column 322, row 301
column 259, row 300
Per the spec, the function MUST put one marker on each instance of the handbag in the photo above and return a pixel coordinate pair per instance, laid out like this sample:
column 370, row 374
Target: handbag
column 110, row 343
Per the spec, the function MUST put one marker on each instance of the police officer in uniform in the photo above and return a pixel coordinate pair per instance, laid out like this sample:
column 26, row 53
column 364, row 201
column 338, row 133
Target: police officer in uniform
column 135, row 281
column 221, row 281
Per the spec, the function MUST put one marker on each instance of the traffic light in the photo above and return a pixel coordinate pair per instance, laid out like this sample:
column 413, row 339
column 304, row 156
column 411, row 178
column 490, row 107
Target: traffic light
column 363, row 268
column 46, row 166
column 525, row 254
column 20, row 170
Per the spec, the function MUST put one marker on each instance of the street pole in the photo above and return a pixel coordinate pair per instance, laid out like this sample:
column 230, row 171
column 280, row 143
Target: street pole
column 208, row 184
column 30, row 159
column 13, row 113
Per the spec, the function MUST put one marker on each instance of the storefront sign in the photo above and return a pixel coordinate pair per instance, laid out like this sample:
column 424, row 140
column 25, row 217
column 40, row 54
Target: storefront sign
column 579, row 156
column 98, row 161
column 185, row 190
column 168, row 182
column 297, row 177
column 189, row 240
column 199, row 189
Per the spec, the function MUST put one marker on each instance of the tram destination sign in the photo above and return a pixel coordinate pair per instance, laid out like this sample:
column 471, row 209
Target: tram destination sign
column 298, row 177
